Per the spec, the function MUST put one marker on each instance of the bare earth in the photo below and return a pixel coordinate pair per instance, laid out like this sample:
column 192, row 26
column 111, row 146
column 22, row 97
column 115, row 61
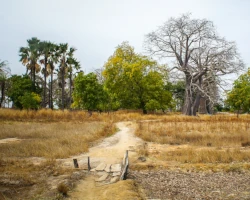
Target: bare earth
column 161, row 184
column 110, row 151
column 9, row 140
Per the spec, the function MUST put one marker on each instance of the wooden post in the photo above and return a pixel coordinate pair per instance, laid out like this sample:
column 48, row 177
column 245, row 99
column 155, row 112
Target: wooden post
column 125, row 168
column 75, row 163
column 89, row 168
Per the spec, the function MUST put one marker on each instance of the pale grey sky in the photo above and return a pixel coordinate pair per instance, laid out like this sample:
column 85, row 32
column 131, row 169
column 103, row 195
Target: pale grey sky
column 96, row 27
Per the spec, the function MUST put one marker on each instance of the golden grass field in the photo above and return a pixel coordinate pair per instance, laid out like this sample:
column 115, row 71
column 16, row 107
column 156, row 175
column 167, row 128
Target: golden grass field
column 204, row 140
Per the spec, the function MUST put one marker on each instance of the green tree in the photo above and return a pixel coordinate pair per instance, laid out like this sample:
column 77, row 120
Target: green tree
column 239, row 97
column 134, row 80
column 178, row 91
column 88, row 93
column 30, row 100
column 29, row 58
column 20, row 86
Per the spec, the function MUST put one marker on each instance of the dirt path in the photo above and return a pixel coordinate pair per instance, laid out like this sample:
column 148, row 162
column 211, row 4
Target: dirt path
column 9, row 140
column 111, row 150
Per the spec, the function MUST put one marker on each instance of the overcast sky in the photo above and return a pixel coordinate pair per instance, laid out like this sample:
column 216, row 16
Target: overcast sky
column 96, row 27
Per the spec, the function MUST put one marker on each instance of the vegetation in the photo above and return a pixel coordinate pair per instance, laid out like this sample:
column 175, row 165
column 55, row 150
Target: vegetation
column 88, row 93
column 127, row 87
column 216, row 139
column 49, row 55
column 238, row 99
column 130, row 80
column 52, row 141
column 202, row 57
column 22, row 92
column 135, row 81
column 27, row 163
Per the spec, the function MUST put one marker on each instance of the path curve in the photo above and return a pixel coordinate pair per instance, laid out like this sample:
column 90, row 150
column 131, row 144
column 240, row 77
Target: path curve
column 111, row 150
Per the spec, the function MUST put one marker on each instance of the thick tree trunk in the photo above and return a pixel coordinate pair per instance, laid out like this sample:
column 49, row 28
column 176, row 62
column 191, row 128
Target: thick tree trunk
column 192, row 98
column 188, row 98
column 196, row 104
column 203, row 106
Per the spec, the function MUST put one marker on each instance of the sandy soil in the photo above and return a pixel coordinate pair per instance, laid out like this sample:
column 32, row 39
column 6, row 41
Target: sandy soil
column 9, row 140
column 110, row 151
column 168, row 184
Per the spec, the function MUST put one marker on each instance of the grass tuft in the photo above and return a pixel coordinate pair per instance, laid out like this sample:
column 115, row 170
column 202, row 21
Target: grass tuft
column 63, row 189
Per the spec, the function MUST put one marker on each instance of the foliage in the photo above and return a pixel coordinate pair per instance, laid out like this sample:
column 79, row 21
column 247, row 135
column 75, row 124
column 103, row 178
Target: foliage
column 178, row 91
column 29, row 58
column 134, row 81
column 20, row 91
column 239, row 97
column 30, row 100
column 88, row 93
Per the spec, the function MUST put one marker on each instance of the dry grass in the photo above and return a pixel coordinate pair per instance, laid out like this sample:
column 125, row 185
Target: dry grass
column 201, row 133
column 47, row 134
column 205, row 139
column 51, row 140
column 47, row 115
column 194, row 155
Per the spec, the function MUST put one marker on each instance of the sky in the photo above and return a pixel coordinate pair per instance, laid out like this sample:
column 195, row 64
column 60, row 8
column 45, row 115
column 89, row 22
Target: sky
column 96, row 27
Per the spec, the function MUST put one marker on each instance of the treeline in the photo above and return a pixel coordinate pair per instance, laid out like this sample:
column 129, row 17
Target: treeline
column 129, row 80
column 50, row 70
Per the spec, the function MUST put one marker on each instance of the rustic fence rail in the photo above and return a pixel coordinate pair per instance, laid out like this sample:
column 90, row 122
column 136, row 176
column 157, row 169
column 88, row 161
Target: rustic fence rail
column 125, row 167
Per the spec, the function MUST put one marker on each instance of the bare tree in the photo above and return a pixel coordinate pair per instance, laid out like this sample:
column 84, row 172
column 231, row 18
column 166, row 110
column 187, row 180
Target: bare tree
column 200, row 54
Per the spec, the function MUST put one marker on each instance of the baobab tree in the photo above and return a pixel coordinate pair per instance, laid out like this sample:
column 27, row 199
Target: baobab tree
column 199, row 52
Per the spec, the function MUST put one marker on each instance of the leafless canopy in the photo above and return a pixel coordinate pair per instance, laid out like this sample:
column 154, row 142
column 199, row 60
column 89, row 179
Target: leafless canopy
column 200, row 54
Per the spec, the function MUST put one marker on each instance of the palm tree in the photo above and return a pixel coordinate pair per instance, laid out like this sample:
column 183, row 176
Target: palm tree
column 4, row 73
column 46, row 49
column 53, row 59
column 66, row 56
column 29, row 58
column 73, row 64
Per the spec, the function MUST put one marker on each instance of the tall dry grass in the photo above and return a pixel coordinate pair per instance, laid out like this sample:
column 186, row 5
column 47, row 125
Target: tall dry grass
column 205, row 155
column 51, row 140
column 206, row 139
column 199, row 133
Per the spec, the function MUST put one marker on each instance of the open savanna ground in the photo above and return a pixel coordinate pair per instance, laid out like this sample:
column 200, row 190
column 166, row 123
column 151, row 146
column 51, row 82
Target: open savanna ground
column 177, row 149
column 204, row 139
column 205, row 157
column 29, row 148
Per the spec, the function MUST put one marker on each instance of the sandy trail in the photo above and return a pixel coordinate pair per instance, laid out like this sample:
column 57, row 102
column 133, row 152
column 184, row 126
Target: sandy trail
column 9, row 140
column 111, row 150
